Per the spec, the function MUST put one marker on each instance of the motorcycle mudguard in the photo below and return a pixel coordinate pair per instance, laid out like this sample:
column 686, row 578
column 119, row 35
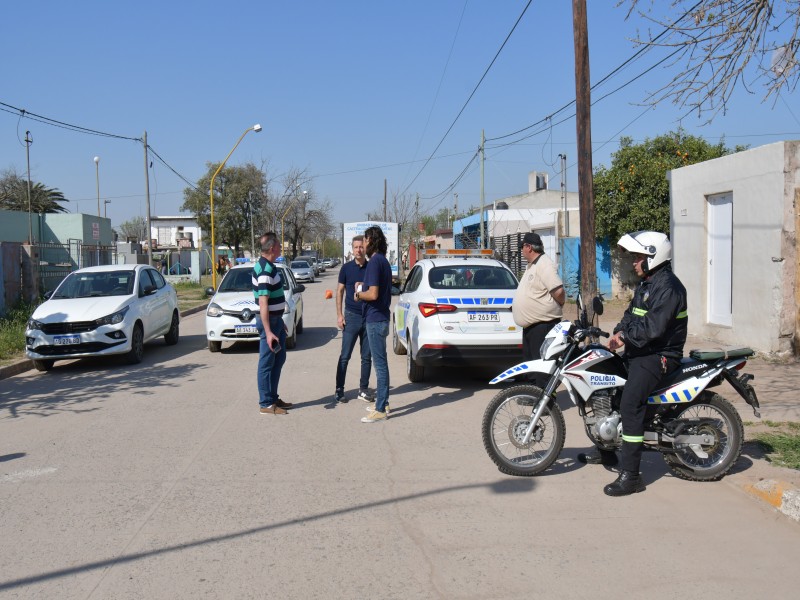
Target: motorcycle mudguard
column 546, row 367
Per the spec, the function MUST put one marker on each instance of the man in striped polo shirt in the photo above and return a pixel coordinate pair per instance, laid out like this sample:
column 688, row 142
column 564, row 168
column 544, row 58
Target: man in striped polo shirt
column 268, row 292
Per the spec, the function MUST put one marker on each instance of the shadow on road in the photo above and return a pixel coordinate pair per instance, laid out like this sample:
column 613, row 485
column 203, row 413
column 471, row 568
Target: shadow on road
column 503, row 486
column 71, row 385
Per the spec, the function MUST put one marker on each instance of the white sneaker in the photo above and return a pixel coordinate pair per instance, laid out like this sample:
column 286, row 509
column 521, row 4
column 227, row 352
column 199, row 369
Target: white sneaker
column 371, row 408
column 366, row 396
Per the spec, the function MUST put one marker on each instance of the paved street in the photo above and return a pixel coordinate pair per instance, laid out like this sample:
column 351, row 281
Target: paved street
column 163, row 481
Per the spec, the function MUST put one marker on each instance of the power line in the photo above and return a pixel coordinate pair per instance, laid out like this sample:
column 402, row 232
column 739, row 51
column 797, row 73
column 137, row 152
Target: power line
column 449, row 129
column 68, row 126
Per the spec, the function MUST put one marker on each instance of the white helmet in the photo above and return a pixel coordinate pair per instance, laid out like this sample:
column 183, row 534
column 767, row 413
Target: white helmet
column 656, row 246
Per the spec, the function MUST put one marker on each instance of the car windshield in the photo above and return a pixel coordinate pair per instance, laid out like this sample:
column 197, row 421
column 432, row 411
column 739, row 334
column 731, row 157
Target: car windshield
column 300, row 264
column 471, row 277
column 237, row 280
column 96, row 284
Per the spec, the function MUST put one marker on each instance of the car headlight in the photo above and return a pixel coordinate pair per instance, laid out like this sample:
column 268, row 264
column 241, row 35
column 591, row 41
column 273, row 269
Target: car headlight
column 214, row 310
column 113, row 319
column 34, row 324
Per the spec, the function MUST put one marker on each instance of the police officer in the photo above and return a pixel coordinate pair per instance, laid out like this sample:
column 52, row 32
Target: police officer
column 653, row 331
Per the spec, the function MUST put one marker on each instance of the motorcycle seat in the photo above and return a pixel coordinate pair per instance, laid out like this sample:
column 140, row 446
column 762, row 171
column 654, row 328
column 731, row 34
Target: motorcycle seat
column 718, row 353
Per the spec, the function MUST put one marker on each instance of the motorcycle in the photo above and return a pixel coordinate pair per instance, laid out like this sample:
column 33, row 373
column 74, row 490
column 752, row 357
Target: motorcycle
column 698, row 432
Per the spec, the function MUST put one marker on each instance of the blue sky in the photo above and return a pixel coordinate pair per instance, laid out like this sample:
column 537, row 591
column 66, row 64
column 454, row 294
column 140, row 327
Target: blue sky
column 353, row 91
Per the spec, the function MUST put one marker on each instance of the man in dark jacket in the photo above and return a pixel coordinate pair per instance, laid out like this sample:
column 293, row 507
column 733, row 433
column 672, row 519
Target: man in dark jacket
column 653, row 331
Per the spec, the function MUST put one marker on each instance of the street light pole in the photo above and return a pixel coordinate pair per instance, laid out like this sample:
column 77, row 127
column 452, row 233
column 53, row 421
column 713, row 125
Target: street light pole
column 252, row 232
column 255, row 128
column 97, row 180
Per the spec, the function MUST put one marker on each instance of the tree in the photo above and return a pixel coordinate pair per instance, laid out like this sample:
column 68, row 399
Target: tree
column 715, row 42
column 633, row 194
column 233, row 188
column 14, row 195
column 135, row 228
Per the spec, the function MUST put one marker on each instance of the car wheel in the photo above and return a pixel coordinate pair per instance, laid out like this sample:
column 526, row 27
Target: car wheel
column 299, row 327
column 291, row 341
column 136, row 353
column 43, row 365
column 415, row 372
column 397, row 345
column 214, row 346
column 172, row 336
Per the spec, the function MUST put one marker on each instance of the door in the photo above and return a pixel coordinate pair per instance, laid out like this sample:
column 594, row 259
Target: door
column 720, row 259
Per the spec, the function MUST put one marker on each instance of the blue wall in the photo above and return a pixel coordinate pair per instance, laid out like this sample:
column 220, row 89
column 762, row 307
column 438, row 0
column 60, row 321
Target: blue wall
column 569, row 266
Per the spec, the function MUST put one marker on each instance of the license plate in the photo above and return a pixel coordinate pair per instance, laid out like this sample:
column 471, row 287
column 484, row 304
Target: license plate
column 246, row 329
column 483, row 316
column 66, row 340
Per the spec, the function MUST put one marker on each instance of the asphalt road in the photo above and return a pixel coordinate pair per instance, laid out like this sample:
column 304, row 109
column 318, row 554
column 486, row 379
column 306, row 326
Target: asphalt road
column 163, row 481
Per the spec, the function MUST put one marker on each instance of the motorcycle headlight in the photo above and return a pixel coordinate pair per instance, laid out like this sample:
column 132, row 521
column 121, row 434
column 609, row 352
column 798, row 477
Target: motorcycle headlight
column 113, row 319
column 34, row 324
column 214, row 310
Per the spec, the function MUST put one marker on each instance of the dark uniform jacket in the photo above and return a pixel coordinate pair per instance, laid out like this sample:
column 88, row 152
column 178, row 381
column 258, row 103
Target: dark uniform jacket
column 656, row 320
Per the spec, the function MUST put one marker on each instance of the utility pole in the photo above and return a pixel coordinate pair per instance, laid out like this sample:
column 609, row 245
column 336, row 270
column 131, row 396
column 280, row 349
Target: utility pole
column 565, row 208
column 384, row 201
column 416, row 227
column 147, row 199
column 28, row 142
column 583, row 124
column 483, row 159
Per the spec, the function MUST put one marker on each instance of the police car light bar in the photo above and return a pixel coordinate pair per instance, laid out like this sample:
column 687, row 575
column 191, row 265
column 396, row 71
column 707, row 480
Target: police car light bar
column 440, row 253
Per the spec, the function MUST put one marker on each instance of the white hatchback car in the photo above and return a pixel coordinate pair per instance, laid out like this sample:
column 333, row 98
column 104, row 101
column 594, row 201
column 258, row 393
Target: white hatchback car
column 455, row 310
column 99, row 311
column 231, row 314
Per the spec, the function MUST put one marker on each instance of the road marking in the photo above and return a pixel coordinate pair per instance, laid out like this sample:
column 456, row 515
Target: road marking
column 29, row 474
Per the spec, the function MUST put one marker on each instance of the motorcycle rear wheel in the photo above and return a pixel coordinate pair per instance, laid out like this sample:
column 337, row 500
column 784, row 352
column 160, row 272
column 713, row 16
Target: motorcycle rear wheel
column 722, row 454
column 504, row 423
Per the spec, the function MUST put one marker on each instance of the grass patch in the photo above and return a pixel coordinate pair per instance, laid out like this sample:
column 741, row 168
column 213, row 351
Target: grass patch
column 12, row 331
column 782, row 446
column 193, row 294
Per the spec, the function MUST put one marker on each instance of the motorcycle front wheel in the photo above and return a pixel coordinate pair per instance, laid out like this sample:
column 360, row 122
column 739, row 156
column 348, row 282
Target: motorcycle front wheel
column 504, row 424
column 727, row 432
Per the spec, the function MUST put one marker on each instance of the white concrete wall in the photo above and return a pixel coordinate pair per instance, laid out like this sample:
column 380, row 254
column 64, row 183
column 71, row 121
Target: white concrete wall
column 761, row 182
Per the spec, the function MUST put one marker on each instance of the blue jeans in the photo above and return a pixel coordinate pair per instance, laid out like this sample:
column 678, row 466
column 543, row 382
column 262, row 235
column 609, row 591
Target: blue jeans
column 269, row 362
column 377, row 333
column 354, row 329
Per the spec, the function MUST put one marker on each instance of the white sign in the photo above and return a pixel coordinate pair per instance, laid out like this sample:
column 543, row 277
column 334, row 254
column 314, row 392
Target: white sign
column 389, row 230
column 95, row 231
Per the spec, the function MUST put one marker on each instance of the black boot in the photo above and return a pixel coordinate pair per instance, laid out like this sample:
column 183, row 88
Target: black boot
column 627, row 483
column 601, row 457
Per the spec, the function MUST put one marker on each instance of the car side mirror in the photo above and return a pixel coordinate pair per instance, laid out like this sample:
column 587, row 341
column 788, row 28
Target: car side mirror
column 209, row 291
column 396, row 291
column 48, row 294
column 300, row 288
column 149, row 290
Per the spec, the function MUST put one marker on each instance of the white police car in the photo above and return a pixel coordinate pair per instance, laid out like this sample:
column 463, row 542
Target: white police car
column 455, row 310
column 231, row 314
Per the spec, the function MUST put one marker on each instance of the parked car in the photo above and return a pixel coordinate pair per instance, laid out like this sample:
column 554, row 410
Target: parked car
column 302, row 271
column 328, row 263
column 231, row 315
column 456, row 312
column 101, row 311
column 311, row 261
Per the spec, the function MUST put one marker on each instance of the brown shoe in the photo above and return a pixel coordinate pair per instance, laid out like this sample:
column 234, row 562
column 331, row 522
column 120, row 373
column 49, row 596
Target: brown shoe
column 281, row 404
column 273, row 410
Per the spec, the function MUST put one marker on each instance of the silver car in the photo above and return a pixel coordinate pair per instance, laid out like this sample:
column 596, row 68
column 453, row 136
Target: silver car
column 302, row 270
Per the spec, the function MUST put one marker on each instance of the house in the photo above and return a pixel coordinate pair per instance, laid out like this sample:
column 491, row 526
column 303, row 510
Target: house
column 733, row 225
column 181, row 231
